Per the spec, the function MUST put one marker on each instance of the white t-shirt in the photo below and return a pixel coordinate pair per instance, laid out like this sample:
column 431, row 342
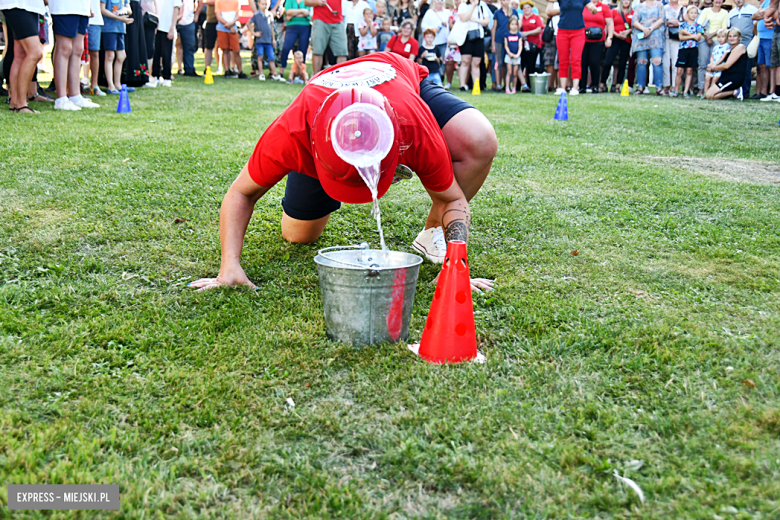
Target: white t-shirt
column 353, row 13
column 481, row 12
column 189, row 12
column 165, row 13
column 33, row 6
column 80, row 7
column 437, row 20
column 98, row 18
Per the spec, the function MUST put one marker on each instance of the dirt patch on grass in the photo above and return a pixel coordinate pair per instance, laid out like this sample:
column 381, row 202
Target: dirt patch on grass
column 741, row 170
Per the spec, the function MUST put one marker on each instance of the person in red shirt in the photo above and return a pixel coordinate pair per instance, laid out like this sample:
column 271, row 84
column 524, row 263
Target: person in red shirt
column 403, row 44
column 328, row 28
column 448, row 143
column 621, row 46
column 531, row 30
column 599, row 30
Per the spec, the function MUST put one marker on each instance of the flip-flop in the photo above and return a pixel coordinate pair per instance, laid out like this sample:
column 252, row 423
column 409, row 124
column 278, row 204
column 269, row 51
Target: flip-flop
column 25, row 110
column 39, row 98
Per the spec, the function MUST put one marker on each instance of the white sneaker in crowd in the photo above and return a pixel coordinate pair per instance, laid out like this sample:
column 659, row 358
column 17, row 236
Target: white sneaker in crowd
column 152, row 83
column 277, row 78
column 559, row 91
column 574, row 92
column 261, row 77
column 64, row 103
column 739, row 95
column 430, row 243
column 82, row 102
column 448, row 86
column 771, row 97
column 166, row 83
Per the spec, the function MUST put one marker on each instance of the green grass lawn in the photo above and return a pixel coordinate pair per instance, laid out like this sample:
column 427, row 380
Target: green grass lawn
column 655, row 351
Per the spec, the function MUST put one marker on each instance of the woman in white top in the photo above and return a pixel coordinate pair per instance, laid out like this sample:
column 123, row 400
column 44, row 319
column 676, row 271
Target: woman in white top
column 21, row 18
column 436, row 19
column 353, row 14
column 477, row 14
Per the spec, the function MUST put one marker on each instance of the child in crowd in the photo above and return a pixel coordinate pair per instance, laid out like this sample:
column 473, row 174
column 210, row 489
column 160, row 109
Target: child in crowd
column 115, row 19
column 227, row 36
column 298, row 74
column 512, row 48
column 688, row 56
column 384, row 34
column 381, row 11
column 430, row 56
column 368, row 30
column 719, row 52
column 93, row 42
column 260, row 24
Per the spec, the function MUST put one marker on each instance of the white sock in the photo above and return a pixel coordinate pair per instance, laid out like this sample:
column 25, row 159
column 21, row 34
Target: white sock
column 60, row 99
column 73, row 99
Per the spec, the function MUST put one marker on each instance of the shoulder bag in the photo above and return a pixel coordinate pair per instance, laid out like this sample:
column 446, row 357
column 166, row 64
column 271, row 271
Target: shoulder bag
column 674, row 32
column 548, row 34
column 458, row 33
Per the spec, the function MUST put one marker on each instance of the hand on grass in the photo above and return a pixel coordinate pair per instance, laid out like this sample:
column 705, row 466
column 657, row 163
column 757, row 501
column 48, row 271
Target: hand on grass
column 226, row 278
column 477, row 284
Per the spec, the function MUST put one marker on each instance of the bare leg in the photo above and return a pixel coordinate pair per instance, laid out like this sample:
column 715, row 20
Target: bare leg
column 237, row 60
column 475, row 76
column 62, row 52
column 27, row 52
column 688, row 79
column 118, row 63
column 316, row 63
column 341, row 59
column 109, row 68
column 94, row 68
column 562, row 82
column 463, row 72
column 472, row 153
column 74, row 65
column 302, row 231
column 208, row 57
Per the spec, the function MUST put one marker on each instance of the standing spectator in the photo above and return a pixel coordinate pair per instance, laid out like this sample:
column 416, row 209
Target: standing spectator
column 210, row 33
column 688, row 56
column 404, row 43
column 570, row 41
column 766, row 73
column 327, row 30
column 368, row 30
column 94, row 38
column 719, row 53
column 599, row 32
column 437, row 20
column 298, row 17
column 384, row 34
column 531, row 27
column 116, row 16
column 775, row 56
column 648, row 43
column 392, row 9
column 550, row 50
column 260, row 25
column 452, row 55
column 21, row 21
column 227, row 37
column 733, row 67
column 741, row 16
column 405, row 11
column 621, row 46
column 512, row 48
column 149, row 8
column 70, row 19
column 477, row 14
column 712, row 19
column 187, row 44
column 167, row 14
column 353, row 14
column 431, row 57
column 500, row 29
column 278, row 24
column 674, row 17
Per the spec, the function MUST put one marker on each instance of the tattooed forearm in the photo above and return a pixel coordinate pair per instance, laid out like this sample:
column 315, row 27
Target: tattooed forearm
column 456, row 224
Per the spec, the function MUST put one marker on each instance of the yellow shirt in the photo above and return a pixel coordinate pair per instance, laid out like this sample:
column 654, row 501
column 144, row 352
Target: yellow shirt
column 719, row 20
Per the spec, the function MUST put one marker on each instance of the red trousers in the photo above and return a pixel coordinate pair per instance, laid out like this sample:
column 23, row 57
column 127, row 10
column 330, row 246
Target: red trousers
column 570, row 45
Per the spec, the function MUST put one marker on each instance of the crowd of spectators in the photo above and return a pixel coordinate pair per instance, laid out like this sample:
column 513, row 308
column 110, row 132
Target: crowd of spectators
column 681, row 47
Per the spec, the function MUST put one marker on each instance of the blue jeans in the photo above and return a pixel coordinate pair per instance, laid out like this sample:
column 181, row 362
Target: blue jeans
column 435, row 77
column 641, row 68
column 748, row 77
column 188, row 46
column 299, row 33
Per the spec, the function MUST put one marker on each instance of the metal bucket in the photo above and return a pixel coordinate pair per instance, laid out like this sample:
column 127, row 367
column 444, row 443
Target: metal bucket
column 367, row 294
column 539, row 83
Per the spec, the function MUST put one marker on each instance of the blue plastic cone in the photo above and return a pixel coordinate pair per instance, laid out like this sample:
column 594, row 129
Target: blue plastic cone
column 562, row 112
column 124, row 102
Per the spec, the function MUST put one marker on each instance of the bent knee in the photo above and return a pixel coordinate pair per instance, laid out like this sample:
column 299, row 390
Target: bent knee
column 641, row 61
column 656, row 61
column 297, row 237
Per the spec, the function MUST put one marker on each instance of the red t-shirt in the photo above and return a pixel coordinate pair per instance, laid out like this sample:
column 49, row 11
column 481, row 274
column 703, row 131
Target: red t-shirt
column 404, row 49
column 529, row 24
column 326, row 13
column 285, row 145
column 620, row 25
column 598, row 20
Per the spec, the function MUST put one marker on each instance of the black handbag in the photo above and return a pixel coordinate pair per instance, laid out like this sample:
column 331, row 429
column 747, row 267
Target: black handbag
column 473, row 35
column 674, row 32
column 548, row 34
column 151, row 19
column 594, row 33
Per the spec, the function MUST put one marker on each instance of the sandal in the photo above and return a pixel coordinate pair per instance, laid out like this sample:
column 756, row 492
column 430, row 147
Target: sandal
column 639, row 90
column 40, row 98
column 673, row 93
column 25, row 110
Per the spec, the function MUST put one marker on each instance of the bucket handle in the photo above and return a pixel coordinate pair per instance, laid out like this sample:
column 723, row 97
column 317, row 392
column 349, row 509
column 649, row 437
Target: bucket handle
column 362, row 245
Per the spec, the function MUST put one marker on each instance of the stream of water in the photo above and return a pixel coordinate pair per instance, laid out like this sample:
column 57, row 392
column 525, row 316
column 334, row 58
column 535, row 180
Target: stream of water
column 370, row 175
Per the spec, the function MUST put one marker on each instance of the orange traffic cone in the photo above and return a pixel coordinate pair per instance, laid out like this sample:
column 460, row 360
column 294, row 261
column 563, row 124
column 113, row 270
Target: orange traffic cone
column 449, row 335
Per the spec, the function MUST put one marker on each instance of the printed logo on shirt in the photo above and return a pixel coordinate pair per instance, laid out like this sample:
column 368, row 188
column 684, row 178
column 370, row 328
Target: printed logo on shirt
column 408, row 47
column 363, row 74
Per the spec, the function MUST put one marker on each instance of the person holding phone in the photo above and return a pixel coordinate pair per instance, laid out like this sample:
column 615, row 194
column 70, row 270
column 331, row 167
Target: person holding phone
column 477, row 14
column 648, row 44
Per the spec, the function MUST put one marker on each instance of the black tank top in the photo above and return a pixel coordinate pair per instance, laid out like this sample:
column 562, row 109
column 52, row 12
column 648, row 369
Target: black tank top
column 735, row 73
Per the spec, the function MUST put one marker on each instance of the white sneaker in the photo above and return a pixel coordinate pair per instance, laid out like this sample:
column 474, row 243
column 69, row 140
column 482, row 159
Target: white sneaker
column 771, row 97
column 448, row 86
column 277, row 78
column 574, row 92
column 152, row 83
column 430, row 243
column 261, row 77
column 64, row 103
column 739, row 95
column 166, row 83
column 559, row 91
column 589, row 90
column 83, row 102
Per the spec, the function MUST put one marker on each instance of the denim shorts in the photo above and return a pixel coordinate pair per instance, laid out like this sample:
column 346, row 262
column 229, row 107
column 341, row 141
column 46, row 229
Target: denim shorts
column 113, row 41
column 94, row 38
column 265, row 49
column 765, row 52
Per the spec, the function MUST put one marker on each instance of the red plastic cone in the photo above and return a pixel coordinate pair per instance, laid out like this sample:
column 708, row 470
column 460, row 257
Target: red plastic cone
column 449, row 335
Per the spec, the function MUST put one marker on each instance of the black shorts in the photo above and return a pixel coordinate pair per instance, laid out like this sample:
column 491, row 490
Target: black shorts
column 304, row 198
column 22, row 24
column 475, row 48
column 688, row 58
column 211, row 35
